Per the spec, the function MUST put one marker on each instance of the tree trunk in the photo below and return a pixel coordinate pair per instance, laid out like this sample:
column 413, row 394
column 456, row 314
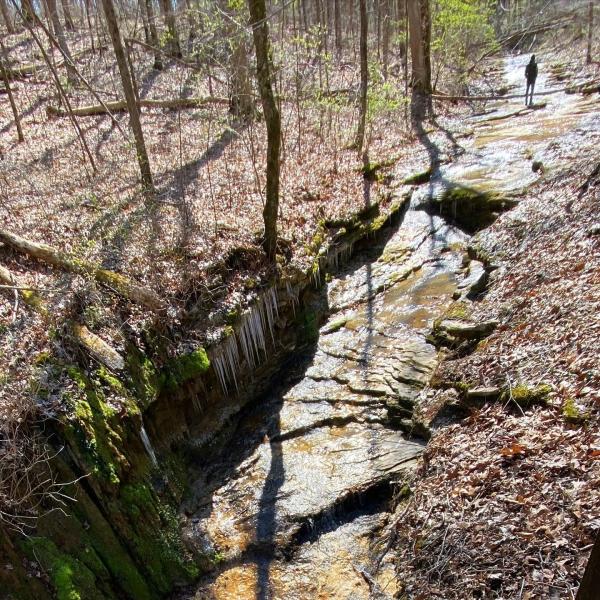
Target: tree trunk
column 134, row 113
column 588, row 58
column 144, row 15
column 241, row 102
column 337, row 19
column 173, row 41
column 10, row 95
column 590, row 584
column 121, row 106
column 59, row 33
column 419, row 25
column 364, row 75
column 69, row 23
column 260, row 31
column 385, row 50
column 28, row 11
column 10, row 28
column 153, row 34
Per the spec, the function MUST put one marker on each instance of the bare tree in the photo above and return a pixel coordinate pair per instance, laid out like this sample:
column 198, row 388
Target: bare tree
column 153, row 34
column 588, row 57
column 10, row 28
column 260, row 29
column 11, row 99
column 173, row 36
column 134, row 112
column 419, row 25
column 62, row 41
column 28, row 11
column 69, row 22
column 364, row 74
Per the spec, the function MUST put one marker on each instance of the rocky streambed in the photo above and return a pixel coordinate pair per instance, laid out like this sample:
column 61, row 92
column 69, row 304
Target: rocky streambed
column 296, row 504
column 292, row 503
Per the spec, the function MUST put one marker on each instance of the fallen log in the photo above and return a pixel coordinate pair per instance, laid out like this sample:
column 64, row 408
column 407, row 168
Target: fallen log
column 92, row 343
column 119, row 283
column 24, row 70
column 121, row 106
column 97, row 347
column 26, row 294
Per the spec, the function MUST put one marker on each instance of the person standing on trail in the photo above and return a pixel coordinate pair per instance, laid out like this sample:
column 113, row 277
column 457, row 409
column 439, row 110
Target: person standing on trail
column 531, row 71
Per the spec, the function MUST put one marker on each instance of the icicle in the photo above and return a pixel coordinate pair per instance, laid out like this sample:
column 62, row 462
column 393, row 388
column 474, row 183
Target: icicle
column 268, row 303
column 245, row 343
column 148, row 446
column 292, row 296
column 217, row 362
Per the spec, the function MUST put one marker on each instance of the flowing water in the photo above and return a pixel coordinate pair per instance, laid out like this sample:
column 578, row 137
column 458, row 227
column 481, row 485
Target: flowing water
column 294, row 505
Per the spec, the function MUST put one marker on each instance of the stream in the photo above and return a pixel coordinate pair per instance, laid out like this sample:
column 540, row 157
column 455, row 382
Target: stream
column 295, row 504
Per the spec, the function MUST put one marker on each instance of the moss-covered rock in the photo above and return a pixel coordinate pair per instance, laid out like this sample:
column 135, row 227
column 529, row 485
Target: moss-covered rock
column 527, row 396
column 184, row 368
column 472, row 209
column 418, row 178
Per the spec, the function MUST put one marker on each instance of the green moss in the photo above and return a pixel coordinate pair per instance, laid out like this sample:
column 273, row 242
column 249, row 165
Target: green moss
column 526, row 396
column 458, row 310
column 94, row 428
column 418, row 178
column 370, row 171
column 70, row 578
column 308, row 326
column 144, row 377
column 572, row 414
column 232, row 317
column 137, row 499
column 336, row 325
column 185, row 368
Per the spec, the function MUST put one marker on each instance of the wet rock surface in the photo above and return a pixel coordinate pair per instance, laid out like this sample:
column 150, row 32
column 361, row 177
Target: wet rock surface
column 292, row 503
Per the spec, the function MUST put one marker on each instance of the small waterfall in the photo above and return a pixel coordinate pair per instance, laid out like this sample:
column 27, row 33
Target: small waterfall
column 148, row 446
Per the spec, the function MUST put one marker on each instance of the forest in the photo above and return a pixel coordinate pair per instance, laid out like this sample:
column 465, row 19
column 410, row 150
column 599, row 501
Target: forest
column 299, row 299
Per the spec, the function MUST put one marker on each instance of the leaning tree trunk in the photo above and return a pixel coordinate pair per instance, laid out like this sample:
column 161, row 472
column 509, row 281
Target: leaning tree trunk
column 364, row 75
column 10, row 28
column 590, row 584
column 174, row 48
column 134, row 113
column 260, row 29
column 419, row 26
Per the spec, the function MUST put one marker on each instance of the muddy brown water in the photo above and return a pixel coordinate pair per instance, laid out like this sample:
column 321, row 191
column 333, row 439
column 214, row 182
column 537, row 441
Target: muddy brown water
column 294, row 506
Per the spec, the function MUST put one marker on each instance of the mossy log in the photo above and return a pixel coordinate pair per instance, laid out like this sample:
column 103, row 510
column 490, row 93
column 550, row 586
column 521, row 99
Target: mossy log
column 98, row 348
column 121, row 106
column 27, row 295
column 119, row 283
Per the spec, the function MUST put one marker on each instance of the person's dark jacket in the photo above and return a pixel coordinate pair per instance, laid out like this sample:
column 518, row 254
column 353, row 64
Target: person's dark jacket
column 531, row 71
